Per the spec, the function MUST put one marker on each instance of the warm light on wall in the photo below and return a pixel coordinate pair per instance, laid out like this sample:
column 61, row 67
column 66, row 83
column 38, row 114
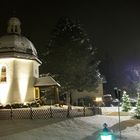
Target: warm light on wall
column 4, row 90
column 23, row 75
column 19, row 80
column 4, row 86
column 23, row 84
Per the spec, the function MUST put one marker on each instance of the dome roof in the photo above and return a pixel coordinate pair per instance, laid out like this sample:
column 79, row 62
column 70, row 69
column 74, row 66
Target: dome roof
column 17, row 43
column 14, row 44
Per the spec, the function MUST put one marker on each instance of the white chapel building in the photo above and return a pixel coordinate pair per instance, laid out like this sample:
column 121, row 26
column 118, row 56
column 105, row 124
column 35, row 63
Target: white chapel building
column 19, row 68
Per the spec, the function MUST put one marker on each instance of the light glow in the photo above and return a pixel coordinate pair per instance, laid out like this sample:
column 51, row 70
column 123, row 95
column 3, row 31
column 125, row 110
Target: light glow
column 98, row 99
column 4, row 86
column 23, row 74
column 19, row 82
column 124, row 92
column 4, row 90
column 23, row 84
column 106, row 137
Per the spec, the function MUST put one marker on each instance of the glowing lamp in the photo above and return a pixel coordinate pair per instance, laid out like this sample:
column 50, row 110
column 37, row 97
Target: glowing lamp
column 106, row 136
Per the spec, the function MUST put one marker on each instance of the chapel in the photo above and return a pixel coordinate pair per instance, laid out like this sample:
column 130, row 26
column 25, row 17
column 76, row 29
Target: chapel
column 20, row 80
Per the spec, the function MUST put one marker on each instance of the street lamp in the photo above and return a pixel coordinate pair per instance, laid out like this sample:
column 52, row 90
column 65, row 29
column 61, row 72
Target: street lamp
column 106, row 136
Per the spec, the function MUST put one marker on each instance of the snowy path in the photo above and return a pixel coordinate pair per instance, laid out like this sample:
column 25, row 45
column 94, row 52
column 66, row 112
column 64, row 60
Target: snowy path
column 83, row 128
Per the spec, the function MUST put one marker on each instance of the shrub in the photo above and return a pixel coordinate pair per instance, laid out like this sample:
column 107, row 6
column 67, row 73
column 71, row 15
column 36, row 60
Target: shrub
column 1, row 106
column 126, row 105
column 17, row 105
column 137, row 110
column 8, row 106
column 34, row 104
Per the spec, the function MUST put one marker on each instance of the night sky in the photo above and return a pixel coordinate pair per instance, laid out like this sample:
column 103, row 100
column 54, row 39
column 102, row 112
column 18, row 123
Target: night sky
column 114, row 26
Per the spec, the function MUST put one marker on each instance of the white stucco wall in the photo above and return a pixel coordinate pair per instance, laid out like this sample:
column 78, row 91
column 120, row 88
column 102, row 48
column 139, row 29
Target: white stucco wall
column 19, row 86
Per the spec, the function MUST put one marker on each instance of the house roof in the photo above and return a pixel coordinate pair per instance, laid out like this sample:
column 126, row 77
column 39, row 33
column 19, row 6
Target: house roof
column 46, row 81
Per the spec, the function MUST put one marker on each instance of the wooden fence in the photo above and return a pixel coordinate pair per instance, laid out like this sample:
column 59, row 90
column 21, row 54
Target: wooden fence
column 39, row 113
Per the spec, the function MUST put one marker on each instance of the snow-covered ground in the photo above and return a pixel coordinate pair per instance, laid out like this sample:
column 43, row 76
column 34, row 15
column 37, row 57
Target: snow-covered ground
column 82, row 128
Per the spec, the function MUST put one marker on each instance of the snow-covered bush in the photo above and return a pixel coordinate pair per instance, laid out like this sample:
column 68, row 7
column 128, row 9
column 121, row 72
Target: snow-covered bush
column 126, row 105
column 137, row 111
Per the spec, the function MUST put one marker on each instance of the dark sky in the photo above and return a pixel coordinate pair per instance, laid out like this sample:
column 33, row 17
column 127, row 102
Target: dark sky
column 114, row 25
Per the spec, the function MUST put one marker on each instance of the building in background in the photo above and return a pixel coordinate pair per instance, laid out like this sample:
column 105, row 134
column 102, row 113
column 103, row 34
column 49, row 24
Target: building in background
column 88, row 98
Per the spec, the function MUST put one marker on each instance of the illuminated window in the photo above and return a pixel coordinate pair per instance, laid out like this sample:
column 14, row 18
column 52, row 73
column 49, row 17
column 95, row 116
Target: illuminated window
column 3, row 74
column 36, row 93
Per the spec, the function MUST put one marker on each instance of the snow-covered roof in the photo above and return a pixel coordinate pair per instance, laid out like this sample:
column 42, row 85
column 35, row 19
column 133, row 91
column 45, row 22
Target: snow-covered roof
column 17, row 43
column 14, row 42
column 46, row 81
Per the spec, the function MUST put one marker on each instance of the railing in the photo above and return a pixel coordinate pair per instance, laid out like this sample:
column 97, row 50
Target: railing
column 39, row 113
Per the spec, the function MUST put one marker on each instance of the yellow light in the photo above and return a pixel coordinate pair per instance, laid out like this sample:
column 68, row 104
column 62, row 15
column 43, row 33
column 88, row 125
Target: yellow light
column 98, row 99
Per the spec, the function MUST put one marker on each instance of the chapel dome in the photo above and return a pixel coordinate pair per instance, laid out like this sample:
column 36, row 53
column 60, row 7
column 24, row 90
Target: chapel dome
column 16, row 45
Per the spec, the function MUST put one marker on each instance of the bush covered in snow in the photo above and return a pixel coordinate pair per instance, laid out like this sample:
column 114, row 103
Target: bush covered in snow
column 137, row 110
column 126, row 105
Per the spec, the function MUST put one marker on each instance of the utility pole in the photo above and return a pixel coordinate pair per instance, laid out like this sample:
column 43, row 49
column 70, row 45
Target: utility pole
column 118, row 96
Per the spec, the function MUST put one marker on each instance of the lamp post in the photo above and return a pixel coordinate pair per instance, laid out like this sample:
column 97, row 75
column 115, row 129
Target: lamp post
column 117, row 94
column 106, row 134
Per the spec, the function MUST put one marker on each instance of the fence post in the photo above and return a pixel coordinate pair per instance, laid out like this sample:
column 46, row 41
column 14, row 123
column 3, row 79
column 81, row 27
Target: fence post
column 11, row 113
column 84, row 111
column 100, row 111
column 94, row 110
column 68, row 112
column 31, row 113
column 51, row 114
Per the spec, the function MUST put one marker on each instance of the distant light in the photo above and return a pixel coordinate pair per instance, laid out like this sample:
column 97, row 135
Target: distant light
column 124, row 92
column 23, row 84
column 98, row 99
column 115, row 88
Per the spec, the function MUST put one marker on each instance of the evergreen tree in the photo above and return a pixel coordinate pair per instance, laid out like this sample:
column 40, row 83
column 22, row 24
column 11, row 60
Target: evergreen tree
column 71, row 57
column 137, row 111
column 126, row 105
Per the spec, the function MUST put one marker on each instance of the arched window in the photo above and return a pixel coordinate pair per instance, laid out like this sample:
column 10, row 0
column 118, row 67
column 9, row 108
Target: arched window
column 3, row 74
